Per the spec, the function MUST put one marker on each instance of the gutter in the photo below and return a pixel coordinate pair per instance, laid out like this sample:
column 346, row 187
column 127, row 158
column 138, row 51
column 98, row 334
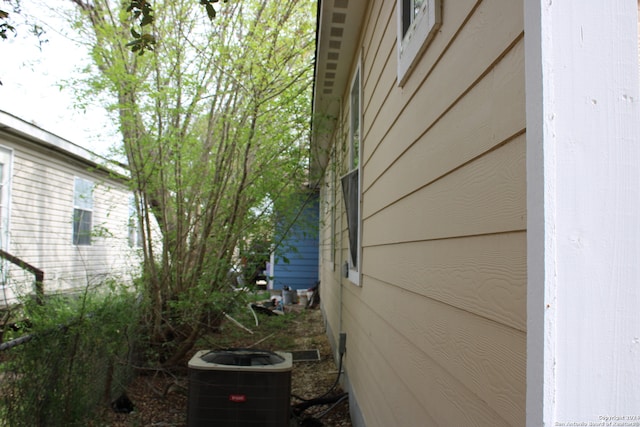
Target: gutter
column 316, row 183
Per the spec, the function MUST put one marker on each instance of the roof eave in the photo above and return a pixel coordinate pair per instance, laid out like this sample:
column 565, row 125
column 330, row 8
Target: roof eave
column 22, row 129
column 337, row 37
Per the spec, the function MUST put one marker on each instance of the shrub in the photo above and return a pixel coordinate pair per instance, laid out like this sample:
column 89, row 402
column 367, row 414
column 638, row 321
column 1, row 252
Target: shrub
column 79, row 359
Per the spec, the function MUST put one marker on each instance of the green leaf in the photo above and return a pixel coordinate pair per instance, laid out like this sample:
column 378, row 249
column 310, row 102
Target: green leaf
column 135, row 34
column 148, row 38
column 146, row 20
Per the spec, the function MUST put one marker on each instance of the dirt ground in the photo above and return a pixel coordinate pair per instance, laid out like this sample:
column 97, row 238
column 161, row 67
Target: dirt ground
column 160, row 398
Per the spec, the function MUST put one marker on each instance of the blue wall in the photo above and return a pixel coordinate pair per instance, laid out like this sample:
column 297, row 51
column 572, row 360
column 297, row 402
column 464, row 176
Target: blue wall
column 300, row 248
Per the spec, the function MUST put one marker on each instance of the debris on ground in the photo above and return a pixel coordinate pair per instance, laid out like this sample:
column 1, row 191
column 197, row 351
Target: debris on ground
column 160, row 397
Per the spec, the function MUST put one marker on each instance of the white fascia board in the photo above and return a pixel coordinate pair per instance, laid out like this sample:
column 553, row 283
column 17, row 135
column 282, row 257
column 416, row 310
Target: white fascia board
column 39, row 136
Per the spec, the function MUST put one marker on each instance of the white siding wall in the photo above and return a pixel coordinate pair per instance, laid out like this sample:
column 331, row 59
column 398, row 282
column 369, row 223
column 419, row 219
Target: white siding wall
column 42, row 187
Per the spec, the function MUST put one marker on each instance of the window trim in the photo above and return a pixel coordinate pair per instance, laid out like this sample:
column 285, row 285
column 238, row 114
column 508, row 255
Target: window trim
column 413, row 43
column 6, row 178
column 134, row 228
column 5, row 188
column 355, row 166
column 75, row 238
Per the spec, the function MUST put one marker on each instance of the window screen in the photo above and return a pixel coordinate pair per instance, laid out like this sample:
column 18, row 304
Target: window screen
column 350, row 184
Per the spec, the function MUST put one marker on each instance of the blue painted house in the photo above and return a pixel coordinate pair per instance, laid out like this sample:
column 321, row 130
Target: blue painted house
column 295, row 260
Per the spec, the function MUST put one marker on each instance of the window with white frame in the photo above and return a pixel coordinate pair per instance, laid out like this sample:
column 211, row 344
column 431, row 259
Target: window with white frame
column 135, row 232
column 5, row 195
column 418, row 22
column 82, row 211
column 351, row 181
column 6, row 157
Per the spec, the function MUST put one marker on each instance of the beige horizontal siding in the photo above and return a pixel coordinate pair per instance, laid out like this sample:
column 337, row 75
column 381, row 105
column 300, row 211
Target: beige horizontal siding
column 484, row 275
column 402, row 384
column 436, row 333
column 383, row 397
column 485, row 357
column 486, row 196
column 404, row 115
column 492, row 113
column 328, row 270
column 378, row 53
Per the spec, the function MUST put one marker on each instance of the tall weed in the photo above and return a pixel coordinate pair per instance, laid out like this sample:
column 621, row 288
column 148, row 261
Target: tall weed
column 78, row 360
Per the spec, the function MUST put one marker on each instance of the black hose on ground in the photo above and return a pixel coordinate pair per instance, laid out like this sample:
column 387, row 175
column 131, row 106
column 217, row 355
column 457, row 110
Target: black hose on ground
column 335, row 384
column 298, row 409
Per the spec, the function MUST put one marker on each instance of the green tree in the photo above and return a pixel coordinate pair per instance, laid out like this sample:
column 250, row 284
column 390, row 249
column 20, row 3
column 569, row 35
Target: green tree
column 214, row 122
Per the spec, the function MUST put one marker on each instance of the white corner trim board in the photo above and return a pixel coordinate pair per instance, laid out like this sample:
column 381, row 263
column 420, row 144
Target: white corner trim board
column 583, row 207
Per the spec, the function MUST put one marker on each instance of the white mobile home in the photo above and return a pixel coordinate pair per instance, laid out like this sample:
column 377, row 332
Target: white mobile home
column 479, row 165
column 64, row 211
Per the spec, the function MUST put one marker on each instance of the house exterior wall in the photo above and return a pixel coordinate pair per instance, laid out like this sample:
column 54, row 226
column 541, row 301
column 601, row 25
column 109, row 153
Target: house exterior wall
column 436, row 327
column 41, row 221
column 300, row 248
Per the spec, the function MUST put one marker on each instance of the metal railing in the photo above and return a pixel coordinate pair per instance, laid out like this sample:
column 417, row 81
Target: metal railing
column 39, row 274
column 39, row 288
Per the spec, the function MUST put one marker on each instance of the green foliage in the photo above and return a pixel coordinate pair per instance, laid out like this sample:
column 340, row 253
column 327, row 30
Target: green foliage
column 78, row 360
column 215, row 126
column 9, row 21
column 142, row 13
column 6, row 26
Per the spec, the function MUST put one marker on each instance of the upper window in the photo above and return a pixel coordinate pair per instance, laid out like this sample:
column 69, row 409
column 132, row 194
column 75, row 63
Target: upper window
column 82, row 211
column 410, row 11
column 5, row 187
column 351, row 181
column 418, row 21
column 135, row 231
